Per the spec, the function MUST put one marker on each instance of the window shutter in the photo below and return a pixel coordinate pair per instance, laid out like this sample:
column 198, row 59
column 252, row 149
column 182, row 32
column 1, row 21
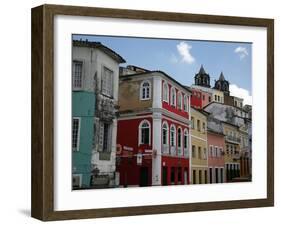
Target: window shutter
column 101, row 133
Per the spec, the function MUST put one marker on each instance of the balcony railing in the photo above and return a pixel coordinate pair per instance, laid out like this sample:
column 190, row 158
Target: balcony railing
column 173, row 151
column 233, row 139
column 165, row 149
column 180, row 151
column 185, row 153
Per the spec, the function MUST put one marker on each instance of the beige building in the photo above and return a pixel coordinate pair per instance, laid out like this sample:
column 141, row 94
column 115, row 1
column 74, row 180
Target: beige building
column 199, row 156
column 232, row 151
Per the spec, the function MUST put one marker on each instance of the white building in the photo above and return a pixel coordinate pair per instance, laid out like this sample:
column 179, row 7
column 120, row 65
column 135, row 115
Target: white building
column 99, row 67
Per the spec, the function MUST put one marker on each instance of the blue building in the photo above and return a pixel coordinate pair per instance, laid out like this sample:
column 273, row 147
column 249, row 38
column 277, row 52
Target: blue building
column 83, row 110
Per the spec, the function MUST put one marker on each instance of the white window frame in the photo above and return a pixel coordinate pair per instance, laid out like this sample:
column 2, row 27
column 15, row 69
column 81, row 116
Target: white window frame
column 108, row 93
column 216, row 150
column 73, row 74
column 149, row 90
column 211, row 149
column 185, row 104
column 173, row 144
column 185, row 135
column 167, row 132
column 173, row 100
column 78, row 135
column 179, row 100
column 165, row 92
column 149, row 133
column 179, row 144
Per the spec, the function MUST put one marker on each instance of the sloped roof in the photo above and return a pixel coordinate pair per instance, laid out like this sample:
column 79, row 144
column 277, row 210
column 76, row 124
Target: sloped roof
column 98, row 45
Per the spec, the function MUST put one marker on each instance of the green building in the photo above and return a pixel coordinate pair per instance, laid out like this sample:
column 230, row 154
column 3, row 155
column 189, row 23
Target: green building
column 83, row 111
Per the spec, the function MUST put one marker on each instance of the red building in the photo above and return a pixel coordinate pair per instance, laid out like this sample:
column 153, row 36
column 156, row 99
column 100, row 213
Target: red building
column 153, row 133
column 199, row 98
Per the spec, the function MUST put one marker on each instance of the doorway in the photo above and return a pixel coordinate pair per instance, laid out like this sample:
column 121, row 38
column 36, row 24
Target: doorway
column 144, row 176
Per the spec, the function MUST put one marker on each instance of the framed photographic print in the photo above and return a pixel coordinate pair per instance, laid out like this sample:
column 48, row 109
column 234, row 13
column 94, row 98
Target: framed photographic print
column 141, row 112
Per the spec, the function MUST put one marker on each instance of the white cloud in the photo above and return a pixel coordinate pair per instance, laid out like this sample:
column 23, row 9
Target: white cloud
column 240, row 92
column 241, row 51
column 184, row 52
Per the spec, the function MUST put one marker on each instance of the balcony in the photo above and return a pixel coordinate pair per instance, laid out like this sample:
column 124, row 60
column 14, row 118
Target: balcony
column 185, row 153
column 165, row 149
column 173, row 151
column 180, row 151
column 233, row 139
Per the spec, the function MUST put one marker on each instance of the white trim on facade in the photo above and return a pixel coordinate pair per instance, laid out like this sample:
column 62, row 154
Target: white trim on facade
column 149, row 87
column 140, row 135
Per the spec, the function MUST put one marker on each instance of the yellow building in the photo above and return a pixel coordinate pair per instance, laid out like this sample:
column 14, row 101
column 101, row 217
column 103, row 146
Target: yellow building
column 232, row 153
column 199, row 156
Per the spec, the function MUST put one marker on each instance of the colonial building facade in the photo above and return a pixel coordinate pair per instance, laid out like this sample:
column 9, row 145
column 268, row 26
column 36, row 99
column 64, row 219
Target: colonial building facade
column 216, row 146
column 199, row 155
column 96, row 71
column 153, row 129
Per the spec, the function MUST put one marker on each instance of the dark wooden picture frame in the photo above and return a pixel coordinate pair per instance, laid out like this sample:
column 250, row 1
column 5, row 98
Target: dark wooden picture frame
column 43, row 107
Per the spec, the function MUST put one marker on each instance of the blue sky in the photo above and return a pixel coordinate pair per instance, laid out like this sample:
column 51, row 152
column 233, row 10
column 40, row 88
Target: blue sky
column 181, row 59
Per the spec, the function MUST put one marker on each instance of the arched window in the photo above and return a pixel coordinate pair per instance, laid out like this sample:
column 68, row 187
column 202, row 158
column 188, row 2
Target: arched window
column 172, row 136
column 185, row 139
column 179, row 138
column 179, row 100
column 173, row 96
column 145, row 90
column 185, row 103
column 144, row 132
column 165, row 92
column 165, row 133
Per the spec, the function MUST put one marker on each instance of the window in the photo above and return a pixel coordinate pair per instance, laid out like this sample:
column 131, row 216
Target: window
column 198, row 125
column 75, row 133
column 210, row 99
column 216, row 152
column 220, row 152
column 200, row 177
column 193, row 151
column 205, row 153
column 76, row 181
column 227, row 149
column 199, row 153
column 192, row 122
column 179, row 137
column 165, row 92
column 165, row 133
column 144, row 132
column 215, row 97
column 145, row 90
column 211, row 150
column 107, row 82
column 179, row 100
column 185, row 141
column 77, row 74
column 185, row 103
column 204, row 127
column 218, row 98
column 203, row 97
column 172, row 131
column 104, row 137
column 173, row 96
